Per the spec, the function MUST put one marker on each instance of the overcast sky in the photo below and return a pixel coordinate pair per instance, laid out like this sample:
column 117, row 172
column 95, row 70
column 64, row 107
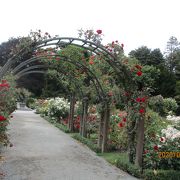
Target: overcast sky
column 132, row 22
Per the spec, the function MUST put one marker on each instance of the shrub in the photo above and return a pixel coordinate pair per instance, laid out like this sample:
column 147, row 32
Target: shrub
column 161, row 175
column 58, row 107
column 31, row 103
column 123, row 164
column 117, row 132
column 170, row 105
column 163, row 105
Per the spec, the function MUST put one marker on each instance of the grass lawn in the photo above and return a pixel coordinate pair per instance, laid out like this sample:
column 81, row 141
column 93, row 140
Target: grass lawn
column 113, row 156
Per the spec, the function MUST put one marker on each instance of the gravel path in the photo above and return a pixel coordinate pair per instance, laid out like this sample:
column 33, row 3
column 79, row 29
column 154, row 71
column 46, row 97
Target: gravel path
column 42, row 152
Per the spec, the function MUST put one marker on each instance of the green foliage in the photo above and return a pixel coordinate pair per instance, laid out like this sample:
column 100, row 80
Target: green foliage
column 22, row 94
column 31, row 103
column 163, row 105
column 124, row 164
column 147, row 56
column 7, row 106
column 166, row 83
column 112, row 157
column 161, row 175
column 150, row 75
column 170, row 105
column 117, row 135
column 88, row 142
column 171, row 53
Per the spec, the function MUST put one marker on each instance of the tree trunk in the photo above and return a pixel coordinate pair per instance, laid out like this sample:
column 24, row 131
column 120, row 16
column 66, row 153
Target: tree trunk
column 106, row 127
column 140, row 143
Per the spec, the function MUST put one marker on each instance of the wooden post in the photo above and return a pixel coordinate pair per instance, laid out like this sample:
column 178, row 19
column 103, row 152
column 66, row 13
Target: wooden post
column 106, row 127
column 140, row 143
column 71, row 115
column 84, row 118
column 81, row 120
column 101, row 124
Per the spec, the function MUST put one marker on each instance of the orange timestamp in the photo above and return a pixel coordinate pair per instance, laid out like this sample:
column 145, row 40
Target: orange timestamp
column 169, row 154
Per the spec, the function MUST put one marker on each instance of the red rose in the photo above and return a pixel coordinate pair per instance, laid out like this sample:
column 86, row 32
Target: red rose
column 124, row 119
column 91, row 62
column 2, row 118
column 143, row 99
column 156, row 148
column 122, row 45
column 138, row 99
column 141, row 111
column 139, row 73
column 120, row 124
column 99, row 31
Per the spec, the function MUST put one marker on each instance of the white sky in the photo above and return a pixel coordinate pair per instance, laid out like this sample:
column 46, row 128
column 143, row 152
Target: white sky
column 132, row 22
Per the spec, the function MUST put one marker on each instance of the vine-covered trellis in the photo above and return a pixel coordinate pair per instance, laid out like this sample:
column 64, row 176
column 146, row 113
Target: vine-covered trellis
column 111, row 56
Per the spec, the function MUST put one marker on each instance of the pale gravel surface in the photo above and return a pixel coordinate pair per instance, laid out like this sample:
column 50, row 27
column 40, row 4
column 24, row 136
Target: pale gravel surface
column 43, row 152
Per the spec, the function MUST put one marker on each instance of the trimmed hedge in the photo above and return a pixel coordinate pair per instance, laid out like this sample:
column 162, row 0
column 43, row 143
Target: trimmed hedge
column 128, row 167
column 161, row 175
column 88, row 142
column 148, row 174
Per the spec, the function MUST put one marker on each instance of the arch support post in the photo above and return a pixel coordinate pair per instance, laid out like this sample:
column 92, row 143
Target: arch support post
column 83, row 122
column 101, row 124
column 105, row 128
column 71, row 114
column 140, row 143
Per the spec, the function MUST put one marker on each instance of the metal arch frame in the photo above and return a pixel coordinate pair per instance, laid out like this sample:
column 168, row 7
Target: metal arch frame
column 19, row 75
column 18, row 67
column 89, row 73
column 98, row 49
column 31, row 68
column 88, row 45
column 62, row 42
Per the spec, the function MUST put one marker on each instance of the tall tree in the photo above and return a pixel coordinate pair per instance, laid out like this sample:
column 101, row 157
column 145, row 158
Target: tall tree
column 147, row 56
column 173, row 46
column 6, row 50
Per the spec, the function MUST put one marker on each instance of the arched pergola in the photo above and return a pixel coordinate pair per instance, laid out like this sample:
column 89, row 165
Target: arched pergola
column 62, row 42
column 26, row 67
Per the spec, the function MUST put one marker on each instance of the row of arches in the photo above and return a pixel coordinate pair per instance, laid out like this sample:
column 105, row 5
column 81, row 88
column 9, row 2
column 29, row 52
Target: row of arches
column 29, row 66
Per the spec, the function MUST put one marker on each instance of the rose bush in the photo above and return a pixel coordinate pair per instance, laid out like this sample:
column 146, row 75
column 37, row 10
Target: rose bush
column 7, row 106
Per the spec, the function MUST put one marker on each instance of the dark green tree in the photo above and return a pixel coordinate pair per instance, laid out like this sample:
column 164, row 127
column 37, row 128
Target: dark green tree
column 172, row 53
column 147, row 56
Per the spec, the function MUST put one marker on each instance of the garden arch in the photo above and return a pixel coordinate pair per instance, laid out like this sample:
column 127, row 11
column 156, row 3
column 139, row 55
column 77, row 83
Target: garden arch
column 95, row 48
